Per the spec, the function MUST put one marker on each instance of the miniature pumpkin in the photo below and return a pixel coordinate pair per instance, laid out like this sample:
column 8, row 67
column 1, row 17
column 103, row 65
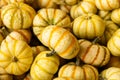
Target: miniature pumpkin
column 17, row 15
column 43, row 67
column 24, row 35
column 15, row 57
column 85, row 72
column 46, row 17
column 63, row 78
column 111, row 73
column 110, row 28
column 93, row 54
column 114, row 44
column 4, row 75
column 61, row 41
column 107, row 4
column 83, row 7
column 88, row 26
column 106, row 15
column 115, row 16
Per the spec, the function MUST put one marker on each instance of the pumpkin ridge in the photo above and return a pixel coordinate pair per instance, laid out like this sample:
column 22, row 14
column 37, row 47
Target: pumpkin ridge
column 85, row 77
column 96, row 55
column 83, row 9
column 73, row 71
column 94, row 26
column 113, row 73
column 101, row 4
column 22, row 20
column 62, row 70
column 4, row 54
column 40, row 17
column 19, row 67
column 49, row 60
column 40, row 67
column 103, row 57
column 55, row 13
column 109, row 4
column 47, row 5
column 60, row 39
column 35, row 74
column 115, row 45
column 87, row 50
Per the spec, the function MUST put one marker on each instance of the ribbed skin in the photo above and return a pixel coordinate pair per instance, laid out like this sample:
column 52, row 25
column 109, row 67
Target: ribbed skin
column 113, row 44
column 115, row 17
column 111, row 27
column 83, row 7
column 61, row 41
column 65, row 8
column 24, row 35
column 17, row 15
column 86, row 72
column 93, row 54
column 107, row 4
column 46, row 17
column 63, row 78
column 43, row 67
column 106, row 15
column 88, row 26
column 111, row 73
column 16, row 57
column 46, row 4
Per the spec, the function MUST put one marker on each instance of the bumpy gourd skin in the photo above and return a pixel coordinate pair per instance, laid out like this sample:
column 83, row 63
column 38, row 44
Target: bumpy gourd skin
column 17, row 15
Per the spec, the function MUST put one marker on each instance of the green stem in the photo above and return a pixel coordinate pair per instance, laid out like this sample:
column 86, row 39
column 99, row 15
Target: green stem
column 52, row 53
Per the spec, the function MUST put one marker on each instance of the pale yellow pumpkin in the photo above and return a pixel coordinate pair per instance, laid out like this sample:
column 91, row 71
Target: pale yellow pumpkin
column 106, row 15
column 17, row 15
column 63, row 78
column 93, row 54
column 84, row 7
column 110, row 28
column 85, row 72
column 43, row 67
column 115, row 16
column 61, row 41
column 22, row 34
column 114, row 44
column 107, row 4
column 46, row 17
column 15, row 57
column 111, row 73
column 88, row 26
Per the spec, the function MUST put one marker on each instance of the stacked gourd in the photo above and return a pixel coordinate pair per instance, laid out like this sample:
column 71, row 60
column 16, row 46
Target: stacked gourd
column 59, row 39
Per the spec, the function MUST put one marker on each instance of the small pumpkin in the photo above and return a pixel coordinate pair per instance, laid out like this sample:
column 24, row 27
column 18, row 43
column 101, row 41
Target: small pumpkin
column 24, row 35
column 83, row 7
column 60, row 41
column 4, row 75
column 93, row 54
column 17, row 15
column 88, row 26
column 15, row 57
column 85, row 72
column 110, row 28
column 106, row 15
column 115, row 16
column 46, row 17
column 111, row 73
column 113, row 43
column 43, row 67
column 107, row 4
column 63, row 78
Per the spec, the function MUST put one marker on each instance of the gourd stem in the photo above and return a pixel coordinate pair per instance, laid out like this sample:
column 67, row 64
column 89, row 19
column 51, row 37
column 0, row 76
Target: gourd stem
column 52, row 53
column 96, row 40
column 77, row 61
column 14, row 59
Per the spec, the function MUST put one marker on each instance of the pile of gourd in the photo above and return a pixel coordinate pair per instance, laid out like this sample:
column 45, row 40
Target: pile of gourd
column 59, row 40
